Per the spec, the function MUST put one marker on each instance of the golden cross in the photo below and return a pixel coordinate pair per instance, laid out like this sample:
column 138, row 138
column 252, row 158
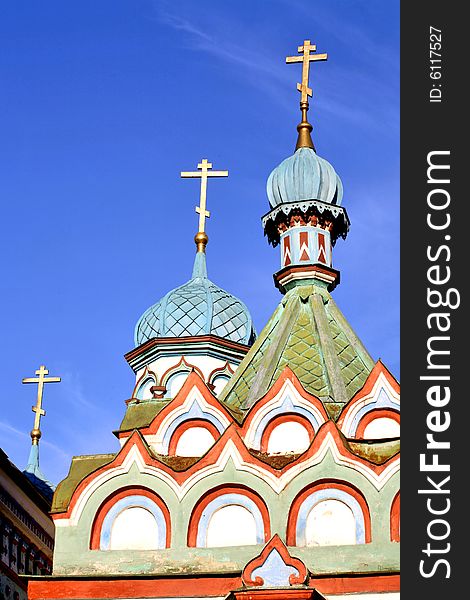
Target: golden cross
column 40, row 412
column 203, row 173
column 306, row 58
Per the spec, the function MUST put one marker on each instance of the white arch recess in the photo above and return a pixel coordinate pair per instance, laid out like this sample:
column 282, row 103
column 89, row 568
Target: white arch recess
column 288, row 400
column 330, row 517
column 229, row 453
column 133, row 523
column 230, row 520
column 382, row 396
column 194, row 407
column 195, row 441
column 288, row 436
column 143, row 384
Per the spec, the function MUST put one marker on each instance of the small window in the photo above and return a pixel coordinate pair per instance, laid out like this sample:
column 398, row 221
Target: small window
column 219, row 383
column 175, row 383
column 144, row 391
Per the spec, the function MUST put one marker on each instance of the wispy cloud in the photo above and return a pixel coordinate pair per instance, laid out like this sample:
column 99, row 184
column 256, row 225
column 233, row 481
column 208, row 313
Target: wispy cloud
column 217, row 36
column 14, row 435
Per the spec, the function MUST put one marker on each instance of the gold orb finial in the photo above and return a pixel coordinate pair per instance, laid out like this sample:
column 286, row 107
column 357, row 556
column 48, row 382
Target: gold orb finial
column 35, row 436
column 201, row 240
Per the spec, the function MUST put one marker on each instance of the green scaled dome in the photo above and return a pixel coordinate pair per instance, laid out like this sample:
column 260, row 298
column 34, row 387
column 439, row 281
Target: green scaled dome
column 304, row 176
column 198, row 307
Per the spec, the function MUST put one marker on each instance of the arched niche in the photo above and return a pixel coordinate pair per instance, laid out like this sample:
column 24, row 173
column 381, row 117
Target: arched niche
column 329, row 514
column 229, row 516
column 132, row 519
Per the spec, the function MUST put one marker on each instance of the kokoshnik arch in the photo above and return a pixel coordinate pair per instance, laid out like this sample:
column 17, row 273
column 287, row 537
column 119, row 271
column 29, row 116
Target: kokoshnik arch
column 250, row 466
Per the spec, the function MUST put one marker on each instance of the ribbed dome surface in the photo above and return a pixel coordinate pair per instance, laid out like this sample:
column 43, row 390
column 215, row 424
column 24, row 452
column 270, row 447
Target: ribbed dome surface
column 304, row 176
column 198, row 307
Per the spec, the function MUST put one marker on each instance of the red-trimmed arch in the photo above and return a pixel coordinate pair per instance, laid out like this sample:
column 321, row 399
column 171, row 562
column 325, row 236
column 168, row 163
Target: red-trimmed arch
column 285, row 418
column 325, row 484
column 175, row 438
column 376, row 413
column 221, row 491
column 395, row 519
column 113, row 499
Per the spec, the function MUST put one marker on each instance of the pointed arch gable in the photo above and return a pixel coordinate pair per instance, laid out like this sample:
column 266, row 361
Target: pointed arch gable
column 229, row 447
column 286, row 395
column 147, row 375
column 380, row 391
column 195, row 395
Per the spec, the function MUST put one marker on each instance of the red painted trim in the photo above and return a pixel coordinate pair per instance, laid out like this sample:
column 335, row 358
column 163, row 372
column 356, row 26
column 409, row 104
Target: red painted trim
column 379, row 368
column 395, row 519
column 286, row 374
column 303, row 241
column 376, row 413
column 187, row 368
column 225, row 370
column 211, row 458
column 321, row 248
column 131, row 588
column 175, row 438
column 275, row 543
column 184, row 587
column 171, row 341
column 147, row 374
column 356, row 584
column 275, row 594
column 111, row 501
column 194, row 379
column 221, row 491
column 286, row 252
column 285, row 418
column 325, row 484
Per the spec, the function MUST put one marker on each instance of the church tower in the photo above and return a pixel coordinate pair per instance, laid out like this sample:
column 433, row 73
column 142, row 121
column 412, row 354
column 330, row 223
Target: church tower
column 249, row 468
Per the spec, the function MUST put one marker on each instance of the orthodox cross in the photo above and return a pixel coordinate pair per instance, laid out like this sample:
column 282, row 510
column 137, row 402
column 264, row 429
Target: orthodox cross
column 305, row 59
column 203, row 173
column 40, row 412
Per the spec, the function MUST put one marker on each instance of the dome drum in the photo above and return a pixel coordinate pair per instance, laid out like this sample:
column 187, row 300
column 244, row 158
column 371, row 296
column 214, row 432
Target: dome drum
column 310, row 213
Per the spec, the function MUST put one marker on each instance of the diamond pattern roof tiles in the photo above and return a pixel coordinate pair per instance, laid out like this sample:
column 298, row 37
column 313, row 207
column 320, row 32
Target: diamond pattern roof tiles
column 198, row 307
column 300, row 345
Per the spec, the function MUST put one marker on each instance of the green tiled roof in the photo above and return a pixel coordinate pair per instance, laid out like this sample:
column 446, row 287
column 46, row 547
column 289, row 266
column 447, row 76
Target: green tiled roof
column 79, row 469
column 141, row 414
column 308, row 333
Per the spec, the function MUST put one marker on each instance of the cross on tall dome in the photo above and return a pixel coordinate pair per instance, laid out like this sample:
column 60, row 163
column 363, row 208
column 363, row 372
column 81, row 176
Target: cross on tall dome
column 304, row 128
column 203, row 174
column 40, row 412
column 305, row 59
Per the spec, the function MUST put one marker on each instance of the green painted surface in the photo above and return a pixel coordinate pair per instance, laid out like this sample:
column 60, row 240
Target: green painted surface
column 304, row 351
column 141, row 414
column 80, row 468
column 73, row 557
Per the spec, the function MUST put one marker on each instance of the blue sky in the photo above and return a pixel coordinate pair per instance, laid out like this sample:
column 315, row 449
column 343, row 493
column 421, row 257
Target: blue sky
column 102, row 104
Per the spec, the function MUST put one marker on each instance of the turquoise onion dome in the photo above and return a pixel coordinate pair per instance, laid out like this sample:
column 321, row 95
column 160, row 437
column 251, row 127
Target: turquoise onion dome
column 304, row 176
column 198, row 307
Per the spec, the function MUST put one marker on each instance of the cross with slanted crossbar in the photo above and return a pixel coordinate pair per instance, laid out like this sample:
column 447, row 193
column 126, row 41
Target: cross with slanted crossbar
column 203, row 173
column 40, row 412
column 306, row 58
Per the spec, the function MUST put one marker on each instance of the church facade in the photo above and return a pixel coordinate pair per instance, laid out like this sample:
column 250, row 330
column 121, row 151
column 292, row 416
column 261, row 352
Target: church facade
column 249, row 466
